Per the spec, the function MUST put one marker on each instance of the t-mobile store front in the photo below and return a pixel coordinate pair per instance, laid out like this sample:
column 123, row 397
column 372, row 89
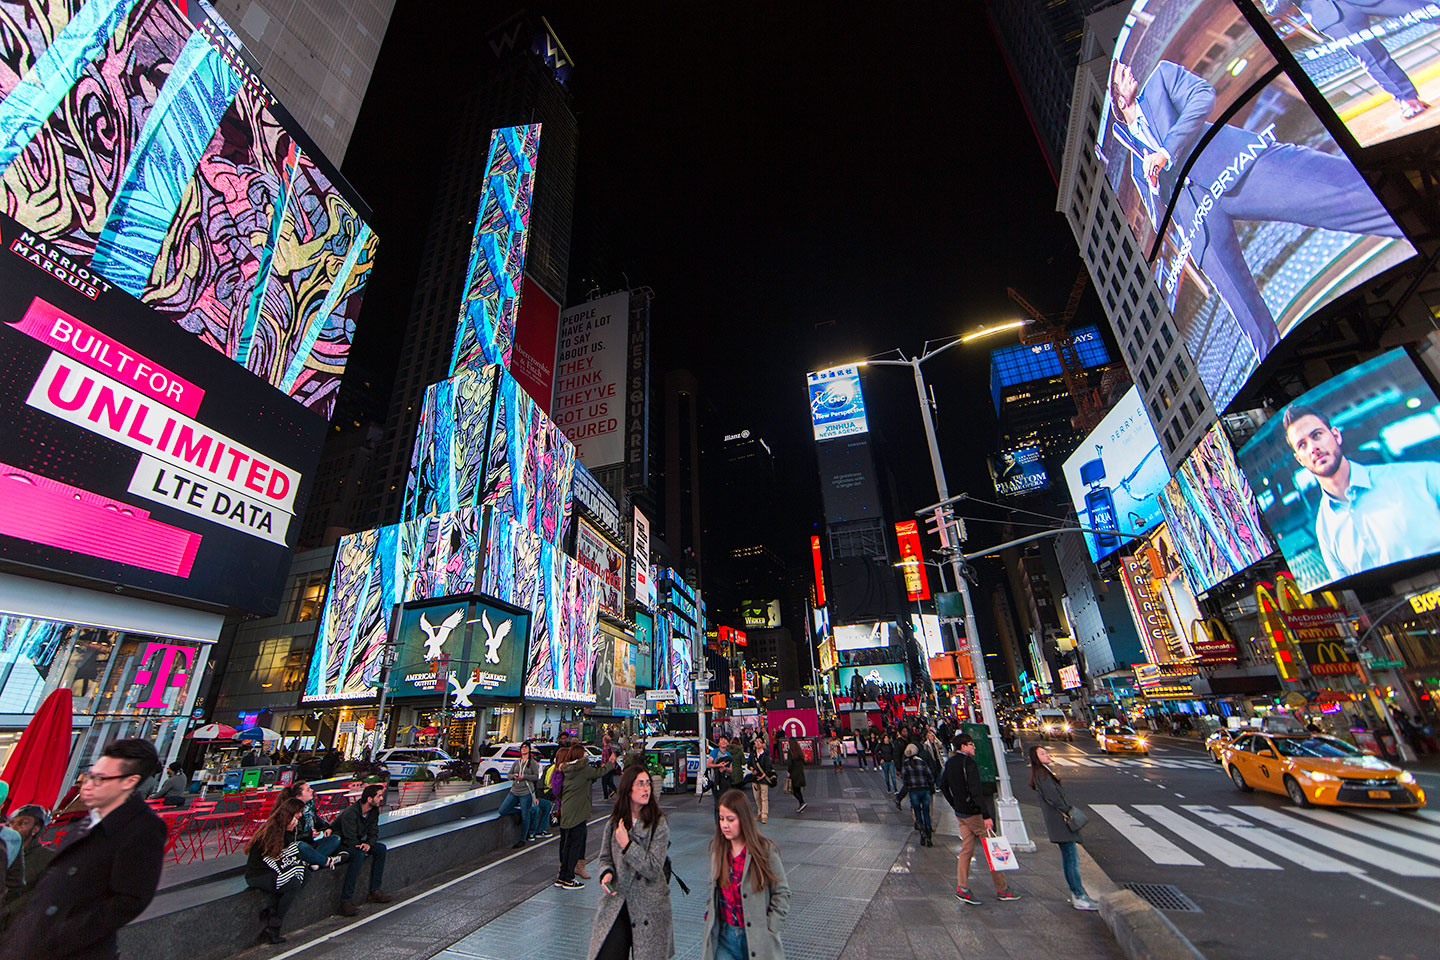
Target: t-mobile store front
column 133, row 666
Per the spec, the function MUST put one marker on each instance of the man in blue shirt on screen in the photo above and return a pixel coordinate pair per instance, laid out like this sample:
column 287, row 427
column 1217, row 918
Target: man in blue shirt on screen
column 1370, row 514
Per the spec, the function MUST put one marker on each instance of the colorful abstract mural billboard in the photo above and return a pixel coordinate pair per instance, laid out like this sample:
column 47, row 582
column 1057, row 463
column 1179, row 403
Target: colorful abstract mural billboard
column 485, row 330
column 140, row 150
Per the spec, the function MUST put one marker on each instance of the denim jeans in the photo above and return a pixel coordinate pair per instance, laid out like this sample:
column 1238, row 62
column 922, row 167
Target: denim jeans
column 920, row 806
column 731, row 943
column 540, row 816
column 357, row 860
column 526, row 803
column 320, row 851
column 888, row 768
column 1070, row 859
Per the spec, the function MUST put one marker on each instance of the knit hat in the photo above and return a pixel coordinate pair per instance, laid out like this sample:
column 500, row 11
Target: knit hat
column 911, row 750
column 36, row 812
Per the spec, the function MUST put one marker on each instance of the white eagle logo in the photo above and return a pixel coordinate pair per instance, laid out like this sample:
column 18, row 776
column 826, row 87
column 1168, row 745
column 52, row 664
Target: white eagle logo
column 493, row 637
column 435, row 637
column 462, row 694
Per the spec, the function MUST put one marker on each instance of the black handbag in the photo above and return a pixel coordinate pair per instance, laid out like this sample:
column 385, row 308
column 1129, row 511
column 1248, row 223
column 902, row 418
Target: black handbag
column 1075, row 819
column 669, row 870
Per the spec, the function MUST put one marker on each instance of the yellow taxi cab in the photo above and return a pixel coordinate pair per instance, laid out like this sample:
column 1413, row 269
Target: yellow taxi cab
column 1121, row 740
column 1218, row 739
column 1312, row 769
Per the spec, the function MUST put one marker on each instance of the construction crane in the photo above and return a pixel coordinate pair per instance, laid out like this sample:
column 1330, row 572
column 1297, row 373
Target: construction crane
column 1055, row 330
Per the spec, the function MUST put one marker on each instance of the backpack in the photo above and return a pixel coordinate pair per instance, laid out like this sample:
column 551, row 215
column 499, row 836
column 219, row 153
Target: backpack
column 545, row 782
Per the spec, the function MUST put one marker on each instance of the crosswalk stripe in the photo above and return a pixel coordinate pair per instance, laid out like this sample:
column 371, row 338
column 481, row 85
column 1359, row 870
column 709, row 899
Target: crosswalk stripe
column 1402, row 822
column 1366, row 853
column 1209, row 842
column 1271, row 842
column 1428, row 815
column 1146, row 840
column 1406, row 842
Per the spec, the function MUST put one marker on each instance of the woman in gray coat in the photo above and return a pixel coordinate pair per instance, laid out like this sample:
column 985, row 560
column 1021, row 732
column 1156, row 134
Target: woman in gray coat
column 749, row 895
column 634, row 919
column 1059, row 825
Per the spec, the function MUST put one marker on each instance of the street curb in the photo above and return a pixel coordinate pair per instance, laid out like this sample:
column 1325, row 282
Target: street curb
column 1143, row 932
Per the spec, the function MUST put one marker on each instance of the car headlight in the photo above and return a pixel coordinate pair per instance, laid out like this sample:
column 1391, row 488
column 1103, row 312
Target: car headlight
column 1407, row 777
column 1319, row 776
column 1067, row 728
column 1140, row 741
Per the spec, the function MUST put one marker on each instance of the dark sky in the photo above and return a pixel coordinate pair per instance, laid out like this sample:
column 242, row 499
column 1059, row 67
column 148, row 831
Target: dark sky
column 801, row 184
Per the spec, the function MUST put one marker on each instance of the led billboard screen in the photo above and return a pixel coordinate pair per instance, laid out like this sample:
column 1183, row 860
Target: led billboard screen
column 912, row 560
column 460, row 648
column 848, row 488
column 1212, row 515
column 1028, row 363
column 607, row 562
column 927, row 628
column 1116, row 477
column 1019, row 471
column 1270, row 222
column 1348, row 475
column 874, row 677
column 861, row 636
column 134, row 454
column 532, row 361
column 143, row 153
column 837, row 406
column 644, row 649
column 1070, row 678
column 590, row 378
column 1374, row 61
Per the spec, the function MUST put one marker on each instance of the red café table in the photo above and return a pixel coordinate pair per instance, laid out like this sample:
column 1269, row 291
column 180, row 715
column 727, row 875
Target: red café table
column 175, row 823
column 215, row 823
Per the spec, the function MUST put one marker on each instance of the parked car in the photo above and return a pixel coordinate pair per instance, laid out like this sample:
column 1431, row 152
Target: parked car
column 402, row 762
column 495, row 759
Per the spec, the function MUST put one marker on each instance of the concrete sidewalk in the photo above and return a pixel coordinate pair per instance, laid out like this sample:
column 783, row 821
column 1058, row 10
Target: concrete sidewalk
column 862, row 888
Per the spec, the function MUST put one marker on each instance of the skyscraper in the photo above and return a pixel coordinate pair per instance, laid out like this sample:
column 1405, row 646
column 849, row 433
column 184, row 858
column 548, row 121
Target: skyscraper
column 317, row 63
column 524, row 86
column 1041, row 43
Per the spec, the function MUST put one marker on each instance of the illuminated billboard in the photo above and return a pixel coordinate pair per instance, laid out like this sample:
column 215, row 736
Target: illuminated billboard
column 355, row 623
column 927, row 628
column 1019, row 471
column 1116, row 477
column 644, row 649
column 1348, row 475
column 1271, row 221
column 590, row 378
column 1212, row 515
column 537, row 325
column 912, row 560
column 143, row 153
column 861, row 636
column 1374, row 61
column 1070, row 678
column 462, row 649
column 837, row 405
column 606, row 561
column 485, row 330
column 872, row 679
column 135, row 454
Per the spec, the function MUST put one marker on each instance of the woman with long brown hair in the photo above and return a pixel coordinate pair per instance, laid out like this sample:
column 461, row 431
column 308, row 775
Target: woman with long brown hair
column 750, row 895
column 1062, row 823
column 275, row 866
column 577, row 780
column 632, row 874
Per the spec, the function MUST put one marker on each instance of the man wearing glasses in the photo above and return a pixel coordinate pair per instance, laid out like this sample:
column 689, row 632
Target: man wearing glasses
column 106, row 872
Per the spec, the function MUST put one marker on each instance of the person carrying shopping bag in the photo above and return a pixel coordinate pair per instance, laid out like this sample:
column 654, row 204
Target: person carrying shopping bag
column 1062, row 823
column 634, row 921
column 750, row 896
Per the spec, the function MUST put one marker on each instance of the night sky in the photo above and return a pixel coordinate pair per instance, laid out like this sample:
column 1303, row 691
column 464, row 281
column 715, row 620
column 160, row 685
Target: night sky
column 802, row 184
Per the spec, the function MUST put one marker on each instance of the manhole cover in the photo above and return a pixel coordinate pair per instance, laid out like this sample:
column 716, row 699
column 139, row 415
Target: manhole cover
column 1164, row 896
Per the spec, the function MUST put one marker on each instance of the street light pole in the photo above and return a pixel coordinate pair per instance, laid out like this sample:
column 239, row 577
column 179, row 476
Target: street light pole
column 1012, row 824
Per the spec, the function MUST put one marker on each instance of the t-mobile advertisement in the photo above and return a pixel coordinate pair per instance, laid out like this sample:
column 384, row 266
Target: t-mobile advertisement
column 1267, row 221
column 132, row 453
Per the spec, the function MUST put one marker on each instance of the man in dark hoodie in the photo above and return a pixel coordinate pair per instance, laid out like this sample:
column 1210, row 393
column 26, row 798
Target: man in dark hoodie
column 359, row 829
column 975, row 812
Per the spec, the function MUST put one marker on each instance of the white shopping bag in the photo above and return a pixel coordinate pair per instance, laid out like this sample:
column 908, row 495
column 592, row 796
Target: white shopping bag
column 999, row 855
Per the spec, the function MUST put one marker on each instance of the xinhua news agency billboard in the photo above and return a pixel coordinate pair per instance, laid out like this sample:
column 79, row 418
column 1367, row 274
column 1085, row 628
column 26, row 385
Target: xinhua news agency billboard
column 134, row 454
column 837, row 405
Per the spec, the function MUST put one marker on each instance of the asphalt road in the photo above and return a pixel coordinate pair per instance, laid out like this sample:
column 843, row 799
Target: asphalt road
column 1268, row 878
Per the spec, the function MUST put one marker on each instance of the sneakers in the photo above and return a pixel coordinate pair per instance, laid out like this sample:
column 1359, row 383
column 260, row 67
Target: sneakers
column 1007, row 895
column 544, row 834
column 379, row 896
column 332, row 861
column 347, row 909
column 801, row 808
column 267, row 935
column 965, row 896
column 571, row 884
column 1084, row 903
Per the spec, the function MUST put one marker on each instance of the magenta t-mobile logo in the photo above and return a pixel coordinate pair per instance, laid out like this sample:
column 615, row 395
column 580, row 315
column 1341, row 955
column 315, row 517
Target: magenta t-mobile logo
column 166, row 676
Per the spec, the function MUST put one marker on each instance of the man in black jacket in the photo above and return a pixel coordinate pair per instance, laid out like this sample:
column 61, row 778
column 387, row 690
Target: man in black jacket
column 106, row 873
column 975, row 812
column 359, row 829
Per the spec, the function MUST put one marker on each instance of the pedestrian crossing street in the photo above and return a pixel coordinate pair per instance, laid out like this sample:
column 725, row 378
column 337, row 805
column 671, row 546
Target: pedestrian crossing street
column 1253, row 837
column 1158, row 763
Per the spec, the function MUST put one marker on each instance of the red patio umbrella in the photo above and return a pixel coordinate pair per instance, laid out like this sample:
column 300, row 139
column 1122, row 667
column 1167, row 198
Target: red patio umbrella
column 36, row 768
